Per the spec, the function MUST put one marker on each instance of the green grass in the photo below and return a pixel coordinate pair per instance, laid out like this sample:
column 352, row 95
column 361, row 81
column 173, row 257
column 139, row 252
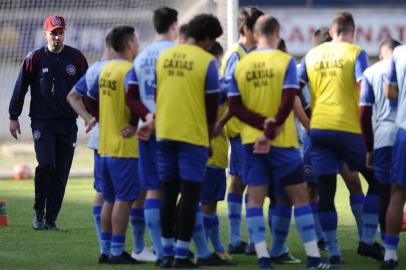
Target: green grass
column 75, row 247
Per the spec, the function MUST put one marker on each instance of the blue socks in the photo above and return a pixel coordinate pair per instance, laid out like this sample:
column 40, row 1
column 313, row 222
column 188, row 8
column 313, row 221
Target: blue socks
column 96, row 217
column 199, row 236
column 117, row 245
column 212, row 230
column 168, row 246
column 315, row 210
column 152, row 219
column 255, row 224
column 105, row 242
column 137, row 228
column 281, row 216
column 391, row 243
column 305, row 225
column 370, row 219
column 357, row 205
column 234, row 205
column 182, row 249
column 328, row 222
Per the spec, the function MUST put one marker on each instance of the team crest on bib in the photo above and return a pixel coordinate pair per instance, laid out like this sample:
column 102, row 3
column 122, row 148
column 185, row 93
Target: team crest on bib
column 56, row 21
column 36, row 135
column 71, row 70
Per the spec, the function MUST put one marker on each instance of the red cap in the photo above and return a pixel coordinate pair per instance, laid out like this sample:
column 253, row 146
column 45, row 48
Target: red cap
column 53, row 22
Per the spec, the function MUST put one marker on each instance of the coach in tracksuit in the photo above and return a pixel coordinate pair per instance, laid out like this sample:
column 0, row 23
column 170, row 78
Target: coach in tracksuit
column 50, row 71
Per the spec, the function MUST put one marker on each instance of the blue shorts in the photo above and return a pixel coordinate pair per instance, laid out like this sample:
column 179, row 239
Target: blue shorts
column 97, row 184
column 283, row 166
column 399, row 158
column 214, row 185
column 120, row 179
column 383, row 164
column 307, row 158
column 330, row 148
column 236, row 166
column 180, row 160
column 147, row 164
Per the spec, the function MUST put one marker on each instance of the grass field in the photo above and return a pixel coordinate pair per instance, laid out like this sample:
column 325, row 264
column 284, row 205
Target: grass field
column 75, row 247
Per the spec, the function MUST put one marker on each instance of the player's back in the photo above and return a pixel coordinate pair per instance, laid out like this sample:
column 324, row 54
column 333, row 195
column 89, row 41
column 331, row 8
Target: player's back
column 334, row 90
column 114, row 113
column 144, row 66
column 399, row 56
column 260, row 78
column 181, row 81
column 384, row 109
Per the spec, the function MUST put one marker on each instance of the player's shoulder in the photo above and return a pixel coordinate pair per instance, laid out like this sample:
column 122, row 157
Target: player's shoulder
column 35, row 53
column 399, row 51
column 377, row 68
column 72, row 50
column 97, row 66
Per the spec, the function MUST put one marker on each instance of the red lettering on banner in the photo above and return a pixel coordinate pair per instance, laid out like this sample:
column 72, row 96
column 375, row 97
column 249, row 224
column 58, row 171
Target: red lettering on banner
column 296, row 35
column 362, row 34
column 401, row 32
column 384, row 33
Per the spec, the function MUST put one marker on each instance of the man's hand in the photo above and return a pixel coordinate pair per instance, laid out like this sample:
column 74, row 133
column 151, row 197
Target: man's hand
column 15, row 128
column 90, row 123
column 262, row 145
column 218, row 129
column 147, row 129
column 129, row 131
column 370, row 159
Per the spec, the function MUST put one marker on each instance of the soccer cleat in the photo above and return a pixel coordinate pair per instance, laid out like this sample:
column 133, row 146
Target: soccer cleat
column 336, row 260
column 184, row 264
column 390, row 264
column 239, row 249
column 51, row 226
column 265, row 263
column 124, row 258
column 285, row 258
column 103, row 258
column 38, row 222
column 321, row 266
column 225, row 256
column 146, row 255
column 166, row 262
column 214, row 260
column 250, row 249
column 373, row 251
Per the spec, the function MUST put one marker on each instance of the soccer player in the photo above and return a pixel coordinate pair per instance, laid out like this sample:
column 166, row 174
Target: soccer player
column 351, row 179
column 50, row 72
column 262, row 95
column 395, row 88
column 380, row 137
column 214, row 188
column 334, row 70
column 117, row 147
column 186, row 110
column 75, row 96
column 245, row 44
column 141, row 93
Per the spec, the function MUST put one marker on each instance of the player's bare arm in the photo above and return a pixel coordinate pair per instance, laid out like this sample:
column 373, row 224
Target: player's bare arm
column 75, row 100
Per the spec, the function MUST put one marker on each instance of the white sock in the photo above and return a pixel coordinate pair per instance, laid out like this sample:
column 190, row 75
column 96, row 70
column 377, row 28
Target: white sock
column 262, row 250
column 391, row 254
column 311, row 249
